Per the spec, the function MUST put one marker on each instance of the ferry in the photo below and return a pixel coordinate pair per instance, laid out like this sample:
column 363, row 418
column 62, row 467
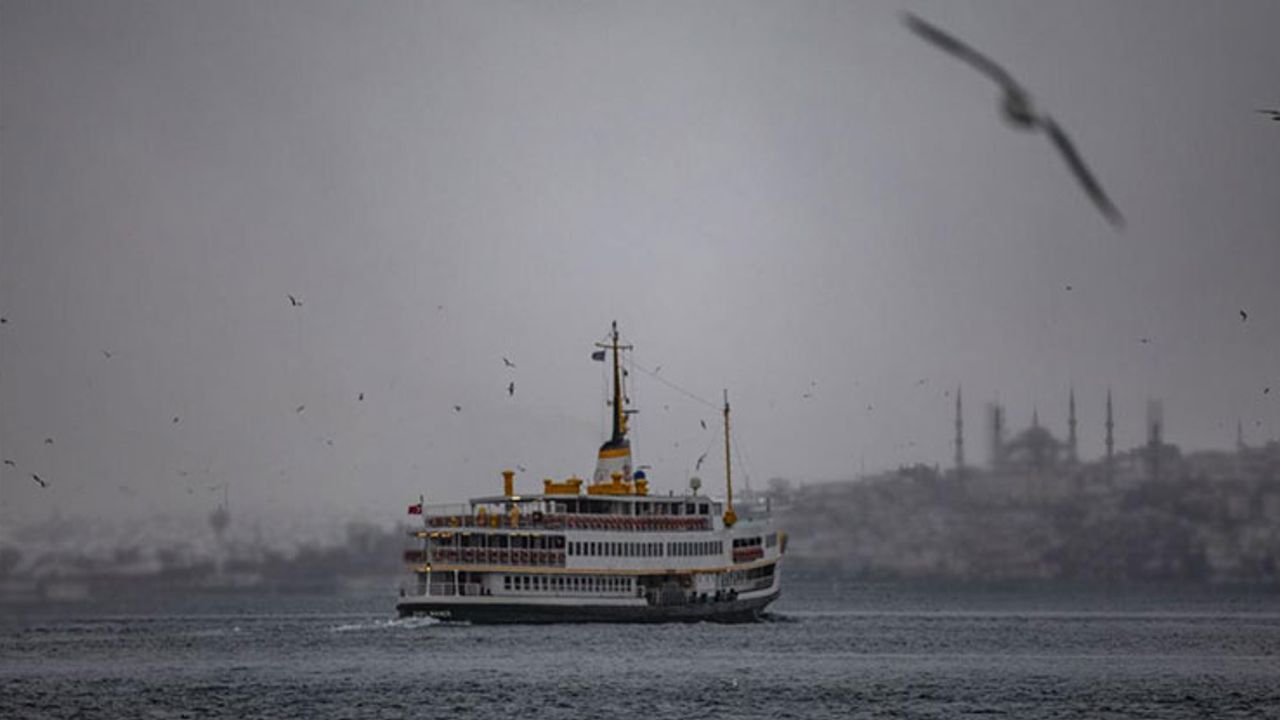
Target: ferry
column 604, row 551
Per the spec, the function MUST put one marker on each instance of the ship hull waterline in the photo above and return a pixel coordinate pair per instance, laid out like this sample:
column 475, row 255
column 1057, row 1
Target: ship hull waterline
column 492, row 611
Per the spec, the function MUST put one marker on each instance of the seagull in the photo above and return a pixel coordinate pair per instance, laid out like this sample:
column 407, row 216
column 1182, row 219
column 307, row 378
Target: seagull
column 1019, row 112
column 40, row 482
column 361, row 398
column 107, row 354
column 1145, row 341
column 175, row 419
column 48, row 441
column 520, row 467
column 294, row 301
column 457, row 408
column 698, row 465
column 11, row 463
column 508, row 363
column 1265, row 391
column 300, row 408
column 1243, row 316
column 704, row 424
column 1275, row 116
column 511, row 389
column 4, row 321
column 1069, row 288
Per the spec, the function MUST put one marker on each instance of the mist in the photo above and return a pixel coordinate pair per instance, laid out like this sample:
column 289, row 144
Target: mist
column 801, row 203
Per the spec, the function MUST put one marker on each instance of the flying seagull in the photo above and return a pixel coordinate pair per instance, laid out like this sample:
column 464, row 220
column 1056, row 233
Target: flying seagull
column 175, row 419
column 508, row 363
column 457, row 408
column 1274, row 114
column 300, row 408
column 107, row 354
column 511, row 389
column 48, row 441
column 361, row 398
column 294, row 301
column 10, row 463
column 1243, row 316
column 698, row 465
column 704, row 424
column 1019, row 112
column 40, row 482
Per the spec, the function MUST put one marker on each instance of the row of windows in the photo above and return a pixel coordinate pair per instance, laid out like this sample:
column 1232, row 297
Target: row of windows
column 642, row 509
column 563, row 584
column 518, row 541
column 646, row 549
column 746, row 542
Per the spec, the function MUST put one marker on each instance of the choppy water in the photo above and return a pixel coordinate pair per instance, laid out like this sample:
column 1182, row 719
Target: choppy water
column 828, row 652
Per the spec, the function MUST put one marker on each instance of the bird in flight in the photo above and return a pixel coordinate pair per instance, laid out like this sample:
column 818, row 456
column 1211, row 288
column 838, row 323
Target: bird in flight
column 10, row 463
column 1019, row 112
column 300, row 408
column 4, row 321
column 361, row 398
column 175, row 419
column 698, row 465
column 39, row 482
column 294, row 301
column 106, row 354
column 1274, row 114
column 704, row 424
column 1243, row 316
column 457, row 408
column 508, row 363
column 48, row 441
column 511, row 388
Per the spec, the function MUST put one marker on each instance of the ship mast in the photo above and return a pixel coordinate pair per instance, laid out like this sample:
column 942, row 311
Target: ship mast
column 730, row 517
column 618, row 418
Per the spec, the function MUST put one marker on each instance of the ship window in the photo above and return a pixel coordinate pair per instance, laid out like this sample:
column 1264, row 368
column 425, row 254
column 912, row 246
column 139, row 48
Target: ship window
column 688, row 509
column 703, row 509
column 506, row 582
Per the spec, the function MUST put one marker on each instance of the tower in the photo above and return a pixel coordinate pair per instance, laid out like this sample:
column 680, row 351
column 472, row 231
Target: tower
column 959, row 433
column 995, row 427
column 1240, row 446
column 1111, row 442
column 1072, row 450
column 1155, row 436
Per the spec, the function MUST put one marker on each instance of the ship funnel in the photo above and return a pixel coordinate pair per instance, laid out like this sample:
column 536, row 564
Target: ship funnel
column 508, row 482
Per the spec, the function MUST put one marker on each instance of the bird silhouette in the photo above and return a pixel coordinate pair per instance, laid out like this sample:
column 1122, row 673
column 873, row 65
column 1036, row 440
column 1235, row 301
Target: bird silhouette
column 175, row 419
column 1145, row 341
column 520, row 467
column 1265, row 391
column 10, row 463
column 511, row 388
column 300, row 408
column 361, row 398
column 1274, row 114
column 457, row 408
column 39, row 482
column 1019, row 112
column 704, row 424
column 508, row 363
column 4, row 321
column 698, row 465
column 48, row 441
column 294, row 301
column 106, row 354
column 1243, row 316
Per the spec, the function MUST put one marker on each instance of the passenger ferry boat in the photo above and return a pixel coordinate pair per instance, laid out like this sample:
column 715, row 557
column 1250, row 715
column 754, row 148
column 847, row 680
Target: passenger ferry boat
column 607, row 551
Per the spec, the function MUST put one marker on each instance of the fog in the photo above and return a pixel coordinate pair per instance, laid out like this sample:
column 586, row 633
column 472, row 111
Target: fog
column 800, row 202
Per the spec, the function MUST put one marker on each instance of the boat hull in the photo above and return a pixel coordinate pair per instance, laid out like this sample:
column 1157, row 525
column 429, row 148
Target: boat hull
column 741, row 610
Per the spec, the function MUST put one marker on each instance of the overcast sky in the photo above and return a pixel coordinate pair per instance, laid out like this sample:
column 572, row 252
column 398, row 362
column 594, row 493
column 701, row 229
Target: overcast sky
column 778, row 198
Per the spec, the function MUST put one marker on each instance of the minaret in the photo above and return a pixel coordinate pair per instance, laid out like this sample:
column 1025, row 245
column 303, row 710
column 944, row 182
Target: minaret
column 1240, row 447
column 1155, row 436
column 1111, row 443
column 1035, row 417
column 959, row 434
column 1072, row 448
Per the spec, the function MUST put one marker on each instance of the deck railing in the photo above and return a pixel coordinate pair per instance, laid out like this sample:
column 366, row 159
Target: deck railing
column 572, row 521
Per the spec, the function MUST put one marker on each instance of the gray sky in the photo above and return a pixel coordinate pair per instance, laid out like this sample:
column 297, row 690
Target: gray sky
column 765, row 195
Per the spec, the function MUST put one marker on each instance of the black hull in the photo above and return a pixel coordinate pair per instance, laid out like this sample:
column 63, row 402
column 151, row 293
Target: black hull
column 735, row 611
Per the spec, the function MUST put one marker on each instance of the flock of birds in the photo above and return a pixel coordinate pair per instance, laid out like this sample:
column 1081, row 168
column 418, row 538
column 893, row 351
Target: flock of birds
column 1017, row 110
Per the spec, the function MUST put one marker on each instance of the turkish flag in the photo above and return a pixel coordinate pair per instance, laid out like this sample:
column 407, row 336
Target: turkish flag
column 415, row 509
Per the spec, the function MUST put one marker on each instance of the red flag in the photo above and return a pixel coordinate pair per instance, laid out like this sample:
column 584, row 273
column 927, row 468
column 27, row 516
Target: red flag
column 415, row 509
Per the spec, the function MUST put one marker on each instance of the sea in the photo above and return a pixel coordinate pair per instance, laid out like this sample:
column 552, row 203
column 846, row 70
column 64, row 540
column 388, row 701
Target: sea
column 830, row 648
